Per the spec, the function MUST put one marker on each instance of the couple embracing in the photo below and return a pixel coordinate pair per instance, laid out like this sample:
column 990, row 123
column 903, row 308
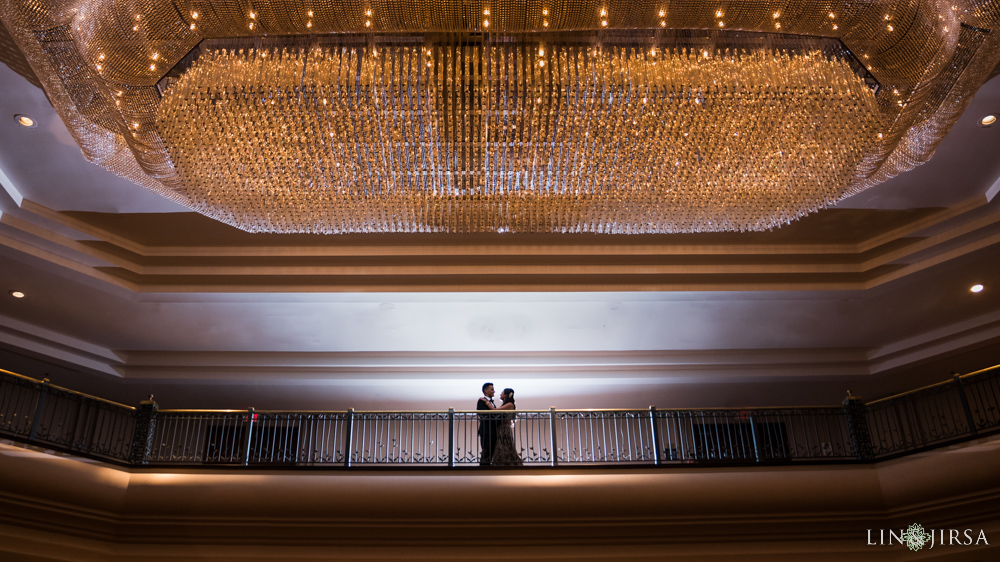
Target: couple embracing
column 496, row 430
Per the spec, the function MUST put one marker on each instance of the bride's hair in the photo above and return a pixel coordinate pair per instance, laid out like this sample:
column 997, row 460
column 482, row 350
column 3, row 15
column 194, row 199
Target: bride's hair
column 508, row 395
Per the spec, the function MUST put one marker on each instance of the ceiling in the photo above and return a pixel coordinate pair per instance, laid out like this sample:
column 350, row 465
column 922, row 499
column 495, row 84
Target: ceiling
column 128, row 293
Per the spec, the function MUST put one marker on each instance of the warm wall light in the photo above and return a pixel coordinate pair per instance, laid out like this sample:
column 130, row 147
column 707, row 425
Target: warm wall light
column 25, row 121
column 977, row 288
column 17, row 294
column 988, row 120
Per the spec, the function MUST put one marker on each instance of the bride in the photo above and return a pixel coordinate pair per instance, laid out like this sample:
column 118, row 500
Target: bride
column 505, row 453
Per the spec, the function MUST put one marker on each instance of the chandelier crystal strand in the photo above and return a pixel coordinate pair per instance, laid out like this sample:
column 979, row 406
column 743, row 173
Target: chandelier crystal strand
column 523, row 116
column 274, row 140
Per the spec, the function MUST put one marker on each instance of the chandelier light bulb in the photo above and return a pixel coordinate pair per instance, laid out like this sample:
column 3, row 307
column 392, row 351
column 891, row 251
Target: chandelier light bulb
column 17, row 294
column 977, row 288
column 204, row 158
column 643, row 135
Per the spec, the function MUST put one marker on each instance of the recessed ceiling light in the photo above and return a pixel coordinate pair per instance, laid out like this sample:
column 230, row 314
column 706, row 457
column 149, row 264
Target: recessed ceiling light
column 977, row 288
column 988, row 120
column 25, row 121
column 17, row 294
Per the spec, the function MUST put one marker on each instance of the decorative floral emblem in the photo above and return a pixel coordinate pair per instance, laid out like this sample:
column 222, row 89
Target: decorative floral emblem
column 915, row 537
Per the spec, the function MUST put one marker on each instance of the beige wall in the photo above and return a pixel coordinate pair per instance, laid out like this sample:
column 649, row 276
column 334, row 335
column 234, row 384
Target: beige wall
column 62, row 508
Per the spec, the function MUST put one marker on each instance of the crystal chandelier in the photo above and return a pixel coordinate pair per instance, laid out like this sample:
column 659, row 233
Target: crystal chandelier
column 410, row 116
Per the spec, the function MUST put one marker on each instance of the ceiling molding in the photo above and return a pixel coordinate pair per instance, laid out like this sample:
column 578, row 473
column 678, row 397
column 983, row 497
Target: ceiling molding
column 696, row 366
column 703, row 366
column 61, row 261
column 9, row 194
column 916, row 226
column 993, row 190
column 937, row 343
column 937, row 259
column 677, row 365
column 594, row 263
column 58, row 347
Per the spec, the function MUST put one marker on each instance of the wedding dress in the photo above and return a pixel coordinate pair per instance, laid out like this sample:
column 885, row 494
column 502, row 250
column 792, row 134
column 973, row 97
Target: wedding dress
column 505, row 453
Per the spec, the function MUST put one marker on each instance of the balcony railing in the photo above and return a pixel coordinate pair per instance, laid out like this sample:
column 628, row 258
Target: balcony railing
column 42, row 414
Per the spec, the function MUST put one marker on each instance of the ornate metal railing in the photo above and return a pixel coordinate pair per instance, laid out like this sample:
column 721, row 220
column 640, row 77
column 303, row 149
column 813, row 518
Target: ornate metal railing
column 49, row 416
column 56, row 418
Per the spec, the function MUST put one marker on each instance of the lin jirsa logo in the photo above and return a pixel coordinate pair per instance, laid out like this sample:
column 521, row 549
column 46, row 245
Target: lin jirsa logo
column 915, row 537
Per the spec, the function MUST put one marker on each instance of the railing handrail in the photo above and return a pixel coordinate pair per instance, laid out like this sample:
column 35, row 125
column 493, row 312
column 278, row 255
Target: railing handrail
column 71, row 391
column 560, row 410
column 518, row 411
column 932, row 385
column 658, row 409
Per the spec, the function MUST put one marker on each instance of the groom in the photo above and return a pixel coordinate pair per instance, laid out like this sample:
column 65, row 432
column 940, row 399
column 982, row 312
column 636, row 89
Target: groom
column 487, row 426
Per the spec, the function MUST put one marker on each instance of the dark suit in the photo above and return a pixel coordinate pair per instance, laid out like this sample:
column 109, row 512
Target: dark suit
column 487, row 433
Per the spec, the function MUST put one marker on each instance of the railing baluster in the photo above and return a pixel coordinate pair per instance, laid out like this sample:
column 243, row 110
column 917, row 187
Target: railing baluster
column 753, row 437
column 552, row 434
column 247, row 439
column 347, row 438
column 43, row 393
column 655, row 432
column 965, row 404
column 579, row 437
column 451, row 438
